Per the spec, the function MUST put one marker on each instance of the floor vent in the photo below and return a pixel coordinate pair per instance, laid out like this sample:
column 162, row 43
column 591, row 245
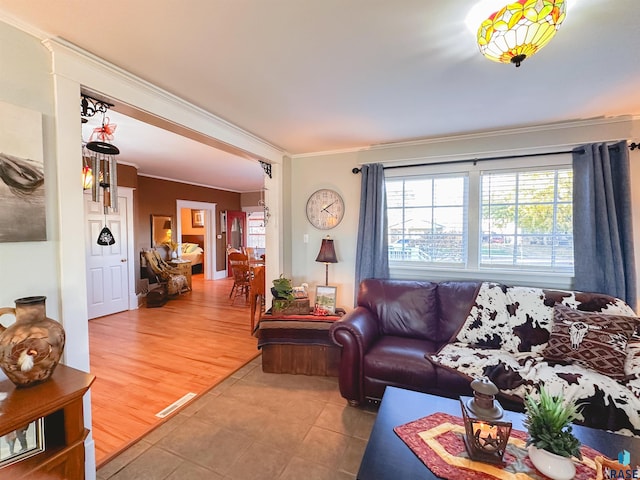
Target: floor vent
column 175, row 405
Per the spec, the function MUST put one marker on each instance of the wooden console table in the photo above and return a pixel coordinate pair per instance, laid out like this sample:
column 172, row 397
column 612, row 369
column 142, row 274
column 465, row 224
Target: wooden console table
column 184, row 267
column 59, row 402
column 298, row 344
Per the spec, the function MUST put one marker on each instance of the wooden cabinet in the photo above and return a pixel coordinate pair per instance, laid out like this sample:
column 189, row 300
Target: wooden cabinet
column 184, row 266
column 59, row 402
column 298, row 344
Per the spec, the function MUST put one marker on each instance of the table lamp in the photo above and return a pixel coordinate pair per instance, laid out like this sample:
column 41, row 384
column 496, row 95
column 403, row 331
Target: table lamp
column 327, row 255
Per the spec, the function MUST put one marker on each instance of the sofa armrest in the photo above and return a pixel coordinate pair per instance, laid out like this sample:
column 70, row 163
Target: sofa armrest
column 355, row 333
column 359, row 325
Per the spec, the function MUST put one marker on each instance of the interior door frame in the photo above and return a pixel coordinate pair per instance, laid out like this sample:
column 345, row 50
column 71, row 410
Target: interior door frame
column 209, row 270
column 229, row 216
column 127, row 193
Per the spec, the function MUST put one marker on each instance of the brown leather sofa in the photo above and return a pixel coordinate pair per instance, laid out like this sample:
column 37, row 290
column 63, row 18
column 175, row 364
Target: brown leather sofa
column 393, row 335
column 385, row 338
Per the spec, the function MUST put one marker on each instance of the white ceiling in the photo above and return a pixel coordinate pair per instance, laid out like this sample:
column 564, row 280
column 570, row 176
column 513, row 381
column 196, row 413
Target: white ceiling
column 322, row 75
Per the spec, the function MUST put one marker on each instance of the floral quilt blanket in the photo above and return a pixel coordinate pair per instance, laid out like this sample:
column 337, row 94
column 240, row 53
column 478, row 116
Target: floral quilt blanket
column 505, row 338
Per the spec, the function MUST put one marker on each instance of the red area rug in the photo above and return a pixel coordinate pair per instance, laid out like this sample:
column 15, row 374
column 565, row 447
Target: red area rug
column 438, row 440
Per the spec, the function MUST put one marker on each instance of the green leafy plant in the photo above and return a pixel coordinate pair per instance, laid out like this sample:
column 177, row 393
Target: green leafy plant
column 548, row 423
column 282, row 288
column 173, row 246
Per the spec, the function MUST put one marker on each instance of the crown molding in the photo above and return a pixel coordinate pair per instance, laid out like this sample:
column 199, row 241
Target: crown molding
column 545, row 127
column 167, row 179
column 23, row 26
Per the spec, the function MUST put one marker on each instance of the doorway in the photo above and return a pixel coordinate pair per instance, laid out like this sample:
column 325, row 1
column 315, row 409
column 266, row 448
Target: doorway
column 209, row 232
column 236, row 233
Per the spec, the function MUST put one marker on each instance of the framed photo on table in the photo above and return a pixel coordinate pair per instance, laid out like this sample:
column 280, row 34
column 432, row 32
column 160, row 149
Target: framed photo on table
column 22, row 443
column 197, row 218
column 326, row 298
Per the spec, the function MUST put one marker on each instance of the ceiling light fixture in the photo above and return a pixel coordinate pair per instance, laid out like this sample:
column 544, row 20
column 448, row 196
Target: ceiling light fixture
column 87, row 174
column 519, row 29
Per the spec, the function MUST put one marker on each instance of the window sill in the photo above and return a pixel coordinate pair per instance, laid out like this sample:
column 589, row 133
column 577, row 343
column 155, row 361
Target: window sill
column 529, row 278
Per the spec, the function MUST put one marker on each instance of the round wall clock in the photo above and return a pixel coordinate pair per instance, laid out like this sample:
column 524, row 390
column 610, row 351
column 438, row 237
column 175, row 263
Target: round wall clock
column 325, row 209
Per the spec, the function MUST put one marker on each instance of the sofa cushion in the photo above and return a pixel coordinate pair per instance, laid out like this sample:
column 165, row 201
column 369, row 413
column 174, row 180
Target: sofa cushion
column 594, row 340
column 455, row 300
column 400, row 361
column 403, row 308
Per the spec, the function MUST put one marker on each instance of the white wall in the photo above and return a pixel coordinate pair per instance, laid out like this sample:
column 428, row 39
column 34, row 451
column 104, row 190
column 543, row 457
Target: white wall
column 333, row 170
column 30, row 268
column 307, row 176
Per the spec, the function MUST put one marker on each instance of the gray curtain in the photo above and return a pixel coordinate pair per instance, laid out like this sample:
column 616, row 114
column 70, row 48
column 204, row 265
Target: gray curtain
column 602, row 229
column 372, row 258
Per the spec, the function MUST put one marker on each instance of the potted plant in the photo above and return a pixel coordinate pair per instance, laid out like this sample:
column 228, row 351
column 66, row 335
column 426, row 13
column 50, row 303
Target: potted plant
column 284, row 300
column 282, row 288
column 551, row 443
column 282, row 292
column 173, row 248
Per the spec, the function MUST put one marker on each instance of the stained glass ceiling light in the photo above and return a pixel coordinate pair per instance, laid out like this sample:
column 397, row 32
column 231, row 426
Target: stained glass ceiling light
column 520, row 29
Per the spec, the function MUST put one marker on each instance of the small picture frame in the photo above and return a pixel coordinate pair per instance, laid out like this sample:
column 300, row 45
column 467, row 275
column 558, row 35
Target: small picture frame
column 326, row 299
column 22, row 443
column 197, row 218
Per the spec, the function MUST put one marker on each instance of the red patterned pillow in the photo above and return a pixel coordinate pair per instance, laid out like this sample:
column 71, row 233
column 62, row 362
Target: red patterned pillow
column 632, row 363
column 595, row 340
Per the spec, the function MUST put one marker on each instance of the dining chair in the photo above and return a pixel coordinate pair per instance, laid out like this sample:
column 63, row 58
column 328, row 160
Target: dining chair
column 256, row 294
column 241, row 275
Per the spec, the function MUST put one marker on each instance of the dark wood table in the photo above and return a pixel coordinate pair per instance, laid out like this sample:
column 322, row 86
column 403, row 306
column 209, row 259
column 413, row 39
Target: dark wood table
column 298, row 344
column 388, row 457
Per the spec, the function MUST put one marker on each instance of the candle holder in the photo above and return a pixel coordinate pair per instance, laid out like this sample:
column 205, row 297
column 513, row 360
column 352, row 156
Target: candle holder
column 486, row 440
column 485, row 436
column 484, row 403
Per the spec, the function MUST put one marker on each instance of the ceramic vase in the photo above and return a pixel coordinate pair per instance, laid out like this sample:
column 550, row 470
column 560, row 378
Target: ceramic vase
column 31, row 347
column 553, row 466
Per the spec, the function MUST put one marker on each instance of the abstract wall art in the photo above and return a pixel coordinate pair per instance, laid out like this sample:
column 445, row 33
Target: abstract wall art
column 23, row 212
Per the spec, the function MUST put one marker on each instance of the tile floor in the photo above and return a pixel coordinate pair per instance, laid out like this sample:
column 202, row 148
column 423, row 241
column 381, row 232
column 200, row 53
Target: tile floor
column 254, row 426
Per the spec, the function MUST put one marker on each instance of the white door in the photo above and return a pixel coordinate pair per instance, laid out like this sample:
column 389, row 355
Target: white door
column 107, row 268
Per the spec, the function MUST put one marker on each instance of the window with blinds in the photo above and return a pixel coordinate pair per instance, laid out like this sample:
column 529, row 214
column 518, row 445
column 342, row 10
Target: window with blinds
column 427, row 219
column 527, row 219
column 256, row 230
column 501, row 214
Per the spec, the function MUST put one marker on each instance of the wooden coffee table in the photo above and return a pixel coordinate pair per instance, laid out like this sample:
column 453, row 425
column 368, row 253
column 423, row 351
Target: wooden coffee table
column 388, row 457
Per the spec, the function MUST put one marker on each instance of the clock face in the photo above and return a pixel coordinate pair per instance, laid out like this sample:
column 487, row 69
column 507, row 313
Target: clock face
column 325, row 209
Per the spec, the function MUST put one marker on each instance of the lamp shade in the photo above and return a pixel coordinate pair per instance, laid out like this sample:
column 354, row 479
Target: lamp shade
column 327, row 252
column 167, row 225
column 520, row 29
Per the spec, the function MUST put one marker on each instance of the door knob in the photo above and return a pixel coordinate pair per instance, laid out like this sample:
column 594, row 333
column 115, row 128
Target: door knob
column 123, row 260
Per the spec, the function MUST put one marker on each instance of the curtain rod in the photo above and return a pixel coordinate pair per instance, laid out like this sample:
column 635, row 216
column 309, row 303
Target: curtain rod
column 356, row 170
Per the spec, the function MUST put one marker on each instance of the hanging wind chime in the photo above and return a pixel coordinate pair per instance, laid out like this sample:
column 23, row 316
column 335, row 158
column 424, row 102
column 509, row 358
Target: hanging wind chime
column 104, row 170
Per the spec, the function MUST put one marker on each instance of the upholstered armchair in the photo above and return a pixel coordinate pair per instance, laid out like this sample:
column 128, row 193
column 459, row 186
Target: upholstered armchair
column 164, row 273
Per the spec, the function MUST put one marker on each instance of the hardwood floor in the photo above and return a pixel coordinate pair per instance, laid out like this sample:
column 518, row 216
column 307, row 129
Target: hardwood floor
column 146, row 359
